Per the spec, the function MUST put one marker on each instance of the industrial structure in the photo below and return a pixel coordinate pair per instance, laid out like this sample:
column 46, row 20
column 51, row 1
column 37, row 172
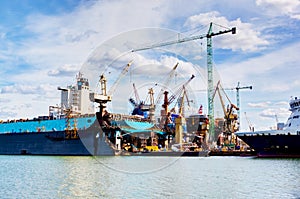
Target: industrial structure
column 210, row 83
column 238, row 88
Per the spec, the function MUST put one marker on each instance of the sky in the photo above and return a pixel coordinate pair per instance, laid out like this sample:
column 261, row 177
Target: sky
column 44, row 44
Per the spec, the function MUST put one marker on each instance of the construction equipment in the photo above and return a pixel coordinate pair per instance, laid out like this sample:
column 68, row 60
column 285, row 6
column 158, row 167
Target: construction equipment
column 137, row 97
column 71, row 133
column 168, row 101
column 180, row 101
column 249, row 123
column 210, row 86
column 135, row 102
column 104, row 97
column 230, row 118
column 237, row 88
column 174, row 127
column 141, row 106
column 166, row 83
column 165, row 114
column 116, row 83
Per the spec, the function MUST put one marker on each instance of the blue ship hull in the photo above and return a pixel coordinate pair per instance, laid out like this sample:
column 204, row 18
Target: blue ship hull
column 275, row 145
column 43, row 125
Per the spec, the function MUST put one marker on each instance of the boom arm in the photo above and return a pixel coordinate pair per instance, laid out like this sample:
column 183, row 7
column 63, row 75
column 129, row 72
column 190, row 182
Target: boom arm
column 173, row 97
column 186, row 39
column 123, row 73
column 137, row 98
column 170, row 76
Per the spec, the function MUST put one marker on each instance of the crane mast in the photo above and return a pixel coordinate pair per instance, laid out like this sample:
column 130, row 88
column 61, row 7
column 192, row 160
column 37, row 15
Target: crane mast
column 238, row 87
column 210, row 80
column 210, row 84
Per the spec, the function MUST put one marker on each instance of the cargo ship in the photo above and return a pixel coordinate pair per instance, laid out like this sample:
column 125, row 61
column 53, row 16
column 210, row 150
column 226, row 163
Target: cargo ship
column 279, row 143
column 71, row 128
column 55, row 133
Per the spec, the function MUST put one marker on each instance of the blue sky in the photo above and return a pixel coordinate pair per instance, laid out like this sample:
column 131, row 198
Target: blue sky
column 45, row 43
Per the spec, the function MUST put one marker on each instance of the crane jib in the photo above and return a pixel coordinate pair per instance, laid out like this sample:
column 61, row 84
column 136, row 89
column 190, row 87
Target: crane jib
column 186, row 39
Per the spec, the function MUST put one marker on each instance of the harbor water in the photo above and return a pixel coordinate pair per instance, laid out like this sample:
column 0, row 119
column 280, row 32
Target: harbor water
column 148, row 177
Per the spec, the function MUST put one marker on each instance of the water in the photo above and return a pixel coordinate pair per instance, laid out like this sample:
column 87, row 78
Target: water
column 148, row 177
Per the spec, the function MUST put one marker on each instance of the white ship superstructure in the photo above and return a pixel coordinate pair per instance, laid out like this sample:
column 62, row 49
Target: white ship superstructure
column 293, row 122
column 74, row 98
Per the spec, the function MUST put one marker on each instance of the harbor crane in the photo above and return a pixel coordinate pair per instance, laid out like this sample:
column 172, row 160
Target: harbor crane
column 141, row 106
column 238, row 88
column 251, row 127
column 137, row 100
column 229, row 115
column 166, row 120
column 210, row 83
column 166, row 83
column 230, row 125
column 168, row 101
column 104, row 97
column 137, row 97
column 152, row 105
column 116, row 83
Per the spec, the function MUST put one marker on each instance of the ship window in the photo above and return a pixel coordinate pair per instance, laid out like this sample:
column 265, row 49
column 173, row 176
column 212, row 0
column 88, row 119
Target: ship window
column 290, row 124
column 89, row 120
column 286, row 147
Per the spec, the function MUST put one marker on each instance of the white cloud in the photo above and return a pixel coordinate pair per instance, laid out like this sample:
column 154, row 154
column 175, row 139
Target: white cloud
column 270, row 113
column 282, row 103
column 70, row 37
column 259, row 105
column 273, row 112
column 65, row 70
column 290, row 8
column 27, row 89
column 7, row 114
column 247, row 38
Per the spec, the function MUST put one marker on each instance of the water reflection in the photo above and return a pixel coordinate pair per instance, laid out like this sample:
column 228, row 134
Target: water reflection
column 187, row 177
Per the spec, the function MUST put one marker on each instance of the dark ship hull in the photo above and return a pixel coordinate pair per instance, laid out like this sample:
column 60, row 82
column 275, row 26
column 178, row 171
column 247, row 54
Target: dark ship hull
column 40, row 143
column 52, row 143
column 273, row 145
